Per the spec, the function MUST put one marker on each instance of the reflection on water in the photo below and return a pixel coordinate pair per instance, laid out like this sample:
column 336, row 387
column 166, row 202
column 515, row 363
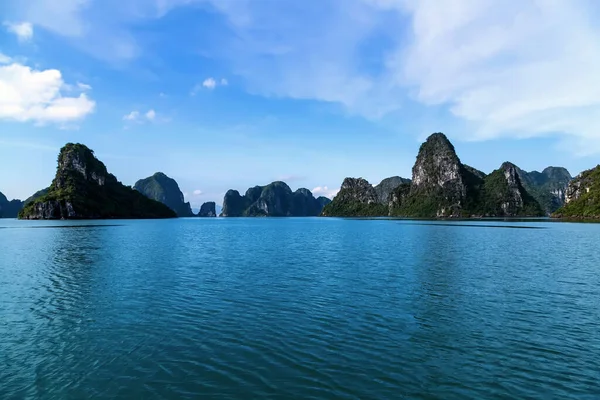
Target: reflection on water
column 299, row 308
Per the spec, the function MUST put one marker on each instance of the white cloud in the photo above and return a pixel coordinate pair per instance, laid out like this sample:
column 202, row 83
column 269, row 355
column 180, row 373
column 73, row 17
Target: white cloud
column 83, row 86
column 4, row 59
column 519, row 69
column 151, row 115
column 209, row 83
column 23, row 30
column 197, row 192
column 325, row 191
column 33, row 95
column 132, row 116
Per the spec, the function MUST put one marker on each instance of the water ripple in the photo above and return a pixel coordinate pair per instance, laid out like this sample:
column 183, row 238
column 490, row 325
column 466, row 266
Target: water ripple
column 300, row 308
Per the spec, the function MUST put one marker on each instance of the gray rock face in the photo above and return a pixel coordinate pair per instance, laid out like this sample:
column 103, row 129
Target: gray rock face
column 161, row 188
column 439, row 182
column 53, row 210
column 514, row 200
column 208, row 209
column 356, row 198
column 387, row 186
column 549, row 187
column 273, row 200
column 357, row 189
column 438, row 165
column 579, row 186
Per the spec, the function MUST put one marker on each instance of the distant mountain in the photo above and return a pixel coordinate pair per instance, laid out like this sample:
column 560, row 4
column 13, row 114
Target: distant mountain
column 582, row 197
column 208, row 209
column 9, row 209
column 441, row 187
column 273, row 200
column 83, row 189
column 161, row 188
column 547, row 187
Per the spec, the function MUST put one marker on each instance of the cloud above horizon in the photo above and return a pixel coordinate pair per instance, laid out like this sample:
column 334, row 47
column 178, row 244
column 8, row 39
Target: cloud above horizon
column 23, row 30
column 501, row 68
column 324, row 191
column 28, row 94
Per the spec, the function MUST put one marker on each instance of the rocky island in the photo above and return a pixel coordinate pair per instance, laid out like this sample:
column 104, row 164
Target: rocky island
column 443, row 187
column 582, row 197
column 83, row 189
column 273, row 200
column 9, row 209
column 161, row 188
column 208, row 209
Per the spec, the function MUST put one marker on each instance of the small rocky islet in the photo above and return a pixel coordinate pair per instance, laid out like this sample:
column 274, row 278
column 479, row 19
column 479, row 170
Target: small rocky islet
column 441, row 186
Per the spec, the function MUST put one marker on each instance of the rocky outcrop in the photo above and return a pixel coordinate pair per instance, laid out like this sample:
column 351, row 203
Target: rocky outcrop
column 441, row 184
column 356, row 198
column 208, row 209
column 387, row 186
column 9, row 209
column 582, row 197
column 505, row 196
column 161, row 188
column 273, row 200
column 37, row 195
column 83, row 189
column 443, row 187
column 548, row 187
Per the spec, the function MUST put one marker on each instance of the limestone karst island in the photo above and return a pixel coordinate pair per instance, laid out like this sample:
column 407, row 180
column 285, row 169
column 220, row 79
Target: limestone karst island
column 441, row 186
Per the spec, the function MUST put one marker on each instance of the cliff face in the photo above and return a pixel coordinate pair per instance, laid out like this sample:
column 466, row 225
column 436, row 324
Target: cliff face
column 161, row 188
column 9, row 209
column 83, row 189
column 443, row 187
column 387, row 186
column 582, row 197
column 505, row 195
column 356, row 198
column 208, row 209
column 273, row 200
column 440, row 183
column 548, row 187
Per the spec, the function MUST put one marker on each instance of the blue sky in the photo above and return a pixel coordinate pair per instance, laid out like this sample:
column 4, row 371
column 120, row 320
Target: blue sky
column 222, row 94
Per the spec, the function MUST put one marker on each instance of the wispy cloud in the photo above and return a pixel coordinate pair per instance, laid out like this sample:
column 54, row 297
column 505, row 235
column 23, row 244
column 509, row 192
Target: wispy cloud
column 197, row 192
column 4, row 59
column 23, row 30
column 325, row 191
column 504, row 69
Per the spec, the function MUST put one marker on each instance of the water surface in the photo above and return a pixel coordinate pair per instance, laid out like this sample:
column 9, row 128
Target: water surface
column 299, row 308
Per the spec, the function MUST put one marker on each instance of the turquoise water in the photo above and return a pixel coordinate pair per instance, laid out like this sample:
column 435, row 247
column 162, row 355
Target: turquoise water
column 299, row 308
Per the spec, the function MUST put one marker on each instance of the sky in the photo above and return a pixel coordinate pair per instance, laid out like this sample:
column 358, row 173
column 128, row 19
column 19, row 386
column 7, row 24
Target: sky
column 229, row 94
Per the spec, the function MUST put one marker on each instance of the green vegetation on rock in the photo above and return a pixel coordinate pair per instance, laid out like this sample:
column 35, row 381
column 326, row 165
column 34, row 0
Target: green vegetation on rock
column 547, row 187
column 582, row 199
column 441, row 187
column 273, row 200
column 356, row 198
column 83, row 189
column 161, row 188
